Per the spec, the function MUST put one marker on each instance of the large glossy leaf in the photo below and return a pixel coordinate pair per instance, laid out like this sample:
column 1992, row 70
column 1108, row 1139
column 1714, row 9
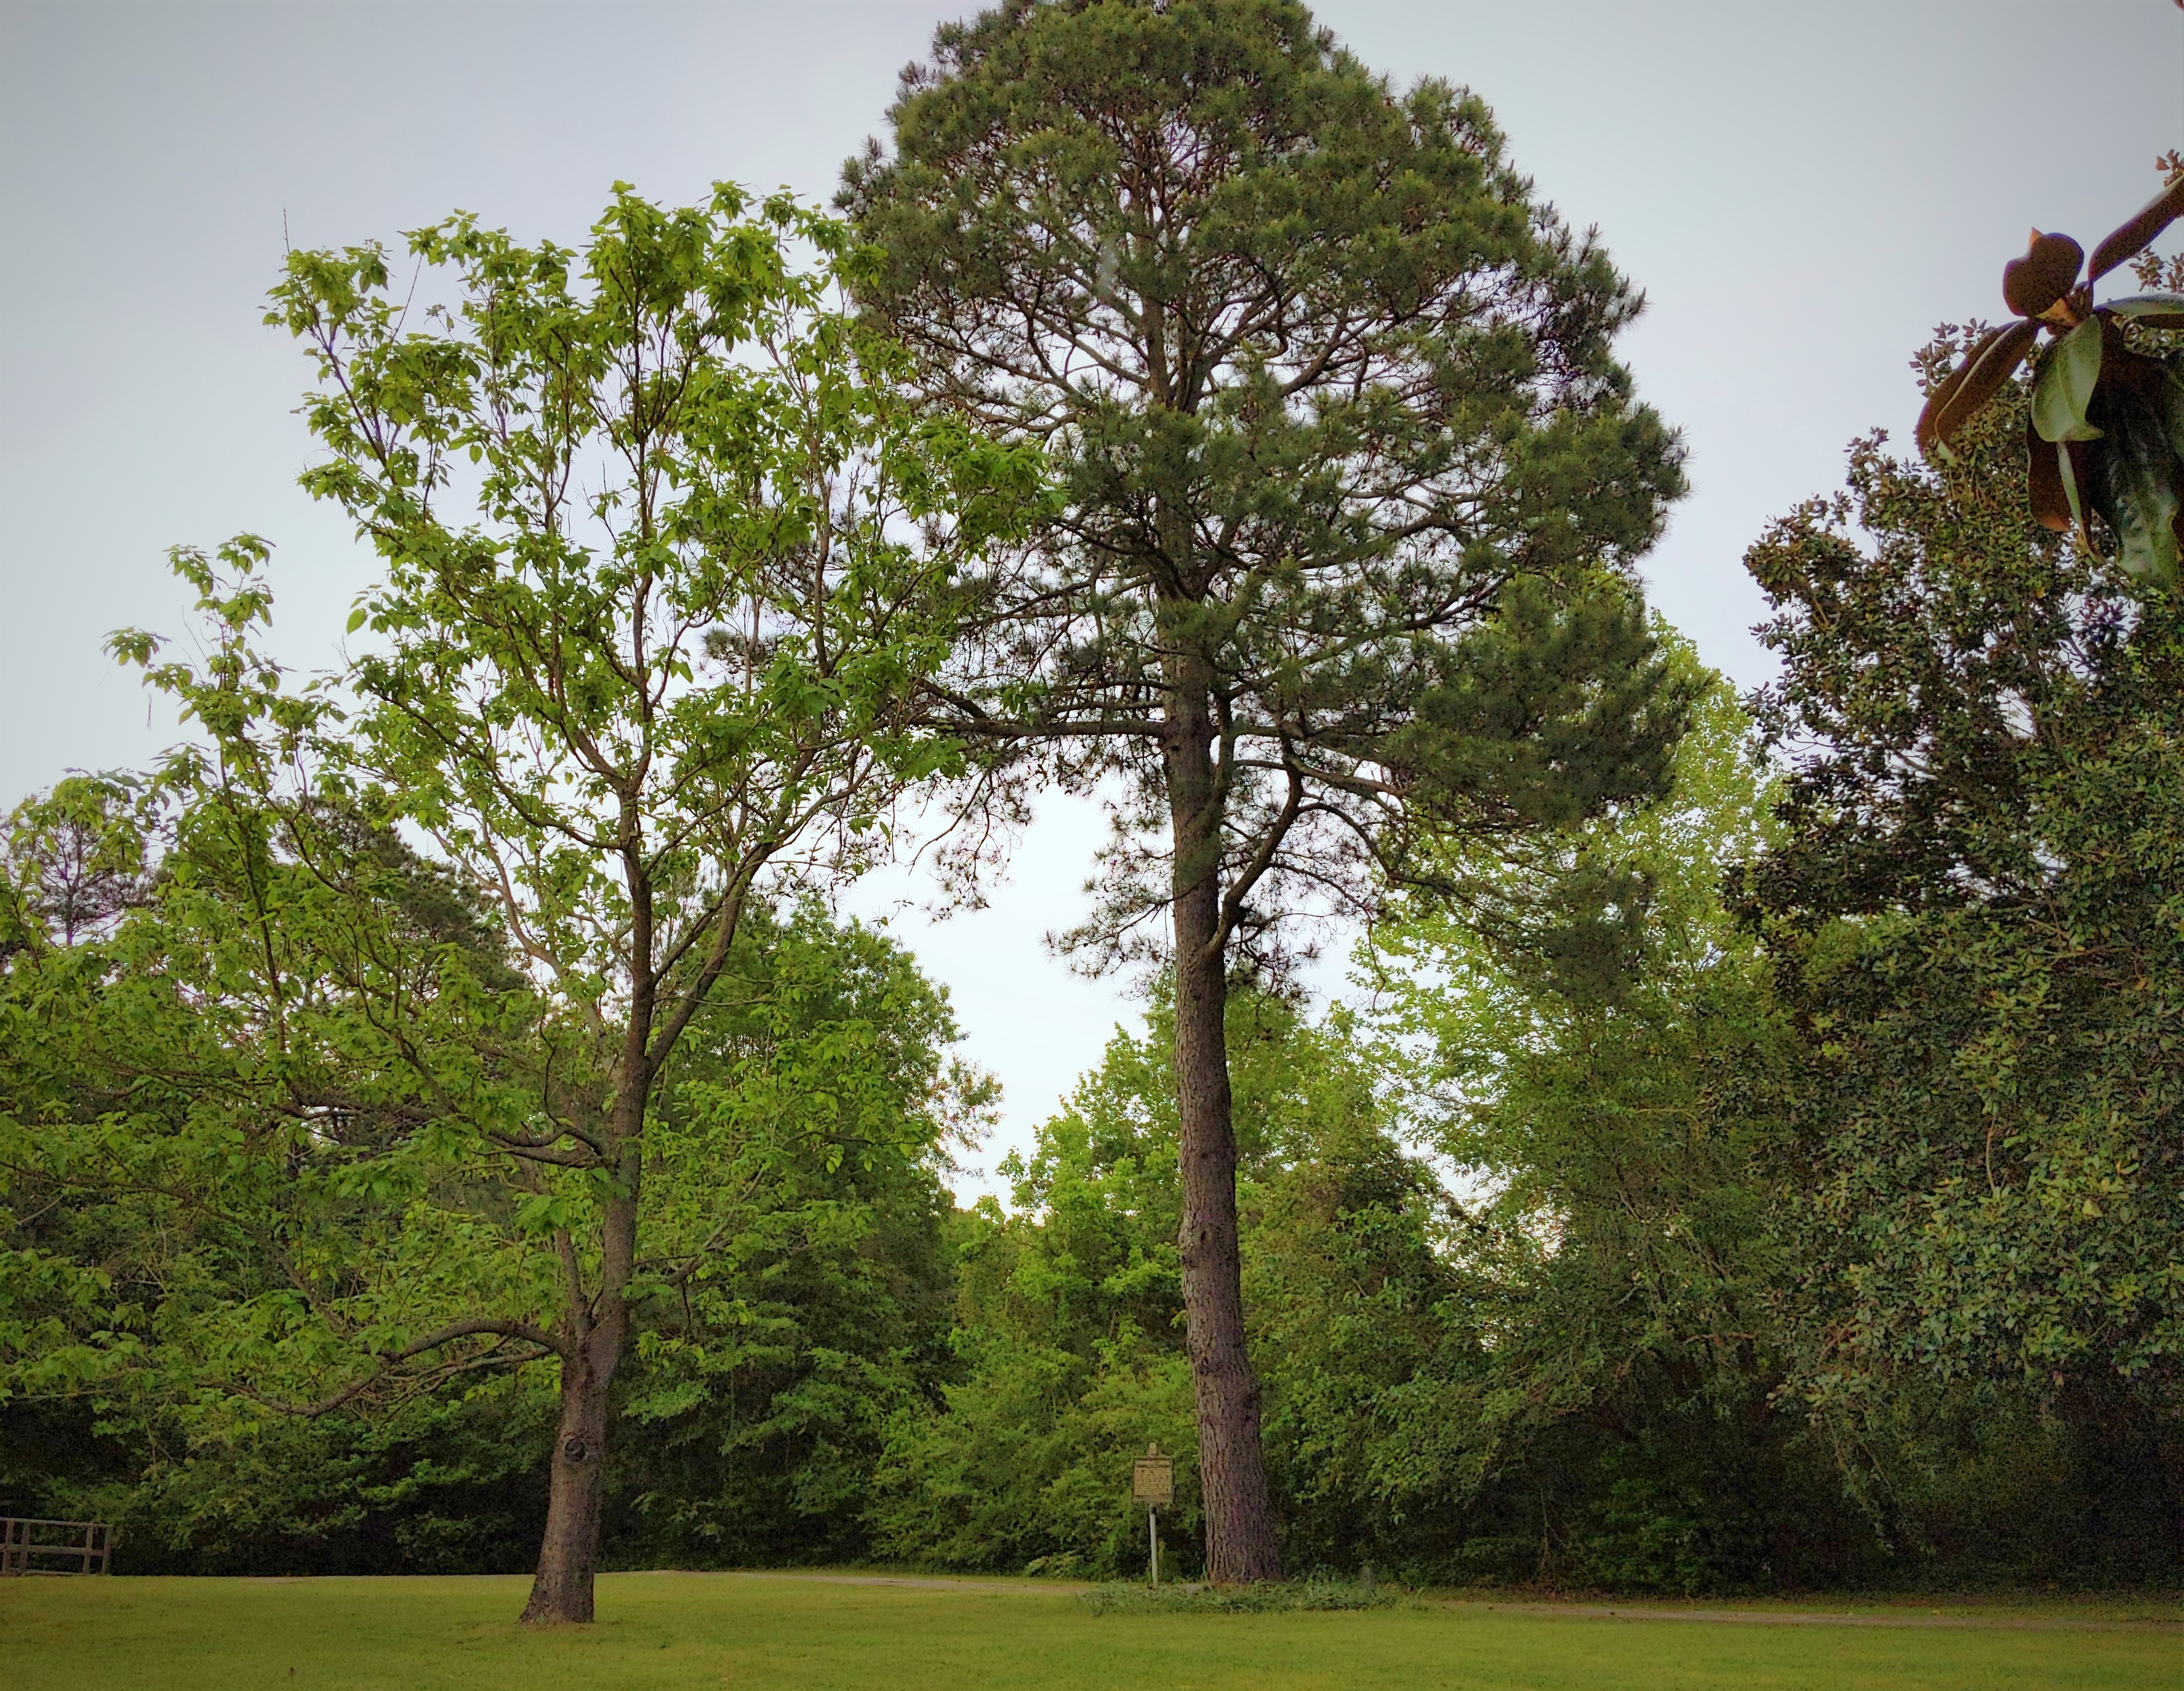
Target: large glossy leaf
column 2172, row 411
column 2053, row 506
column 2155, row 311
column 2131, row 238
column 2072, row 466
column 2065, row 386
column 2139, row 470
column 1993, row 362
column 2145, row 305
column 1946, row 389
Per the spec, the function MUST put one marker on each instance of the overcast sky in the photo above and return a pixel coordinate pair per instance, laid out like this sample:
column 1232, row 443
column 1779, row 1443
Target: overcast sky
column 1803, row 191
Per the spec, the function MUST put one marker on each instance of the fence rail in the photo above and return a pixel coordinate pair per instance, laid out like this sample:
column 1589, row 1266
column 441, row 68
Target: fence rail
column 28, row 1547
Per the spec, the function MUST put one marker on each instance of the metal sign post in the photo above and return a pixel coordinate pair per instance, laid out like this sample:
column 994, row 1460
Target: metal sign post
column 1152, row 1483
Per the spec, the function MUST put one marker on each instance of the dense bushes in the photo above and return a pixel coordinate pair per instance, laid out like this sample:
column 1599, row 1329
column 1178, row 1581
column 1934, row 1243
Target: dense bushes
column 1445, row 1400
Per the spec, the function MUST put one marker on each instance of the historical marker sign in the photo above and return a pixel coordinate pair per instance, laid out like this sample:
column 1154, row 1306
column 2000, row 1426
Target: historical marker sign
column 1152, row 1480
column 1152, row 1488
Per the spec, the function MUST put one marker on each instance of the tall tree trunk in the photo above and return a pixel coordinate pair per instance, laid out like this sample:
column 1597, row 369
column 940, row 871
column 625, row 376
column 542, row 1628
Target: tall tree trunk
column 569, row 1554
column 1232, row 1469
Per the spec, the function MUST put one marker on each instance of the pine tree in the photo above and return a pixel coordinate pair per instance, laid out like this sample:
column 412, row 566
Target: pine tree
column 1352, row 486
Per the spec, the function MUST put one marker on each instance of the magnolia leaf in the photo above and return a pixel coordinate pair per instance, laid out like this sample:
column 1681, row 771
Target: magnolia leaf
column 1946, row 389
column 2139, row 472
column 2154, row 310
column 2070, row 469
column 2052, row 504
column 2065, row 386
column 2132, row 237
column 2172, row 411
column 1994, row 361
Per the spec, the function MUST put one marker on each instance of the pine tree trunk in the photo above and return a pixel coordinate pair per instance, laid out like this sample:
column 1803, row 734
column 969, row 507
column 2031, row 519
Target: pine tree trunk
column 1240, row 1531
column 569, row 1554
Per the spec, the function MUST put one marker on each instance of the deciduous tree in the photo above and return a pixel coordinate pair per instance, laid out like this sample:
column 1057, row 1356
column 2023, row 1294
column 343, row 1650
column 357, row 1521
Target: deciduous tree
column 663, row 562
column 1974, row 902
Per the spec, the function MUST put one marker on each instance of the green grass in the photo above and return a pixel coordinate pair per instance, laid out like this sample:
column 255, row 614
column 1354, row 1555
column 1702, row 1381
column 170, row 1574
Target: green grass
column 669, row 1632
column 1135, row 1596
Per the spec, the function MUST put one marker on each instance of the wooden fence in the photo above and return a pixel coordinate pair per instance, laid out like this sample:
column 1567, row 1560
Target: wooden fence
column 35, row 1547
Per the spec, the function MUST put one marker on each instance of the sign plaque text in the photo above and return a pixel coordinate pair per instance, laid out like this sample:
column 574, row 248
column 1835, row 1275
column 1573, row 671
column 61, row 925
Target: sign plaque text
column 1152, row 1480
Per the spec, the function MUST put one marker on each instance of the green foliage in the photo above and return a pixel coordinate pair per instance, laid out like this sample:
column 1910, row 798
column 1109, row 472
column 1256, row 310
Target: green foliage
column 1738, row 1176
column 1352, row 484
column 74, row 860
column 2063, row 386
column 1611, row 1104
column 1067, row 1331
column 442, row 1484
column 764, row 1390
column 663, row 560
column 161, row 1240
column 1581, row 1368
column 1976, row 903
column 1351, row 491
column 1069, row 1324
column 1027, row 1469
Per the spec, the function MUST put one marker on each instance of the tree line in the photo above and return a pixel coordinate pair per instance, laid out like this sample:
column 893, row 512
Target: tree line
column 1749, row 1157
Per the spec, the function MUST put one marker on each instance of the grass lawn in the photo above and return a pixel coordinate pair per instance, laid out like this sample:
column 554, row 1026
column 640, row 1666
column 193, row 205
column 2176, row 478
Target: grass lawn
column 669, row 1632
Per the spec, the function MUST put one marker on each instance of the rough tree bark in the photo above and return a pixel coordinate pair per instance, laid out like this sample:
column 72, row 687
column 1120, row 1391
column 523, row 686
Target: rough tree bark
column 569, row 1552
column 1240, row 1542
column 1240, row 1531
column 596, row 1329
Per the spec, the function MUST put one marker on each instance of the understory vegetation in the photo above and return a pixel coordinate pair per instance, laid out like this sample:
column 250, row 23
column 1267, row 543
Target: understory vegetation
column 1552, row 1276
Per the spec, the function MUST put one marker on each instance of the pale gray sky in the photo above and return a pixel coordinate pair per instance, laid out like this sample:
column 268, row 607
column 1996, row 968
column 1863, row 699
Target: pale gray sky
column 1802, row 190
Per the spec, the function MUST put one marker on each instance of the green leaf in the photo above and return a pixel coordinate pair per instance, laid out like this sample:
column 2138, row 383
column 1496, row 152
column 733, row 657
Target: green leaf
column 2155, row 306
column 356, row 619
column 2141, row 470
column 2065, row 388
column 2067, row 469
column 2172, row 411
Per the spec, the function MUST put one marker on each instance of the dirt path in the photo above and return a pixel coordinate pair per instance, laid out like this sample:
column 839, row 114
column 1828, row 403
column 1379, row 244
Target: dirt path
column 1563, row 1611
